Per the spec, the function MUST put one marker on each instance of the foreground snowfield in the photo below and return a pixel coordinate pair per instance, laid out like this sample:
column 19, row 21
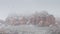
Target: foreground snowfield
column 28, row 29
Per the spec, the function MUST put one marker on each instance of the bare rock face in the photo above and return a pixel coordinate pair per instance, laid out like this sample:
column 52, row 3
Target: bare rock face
column 41, row 19
column 22, row 20
column 50, row 20
column 11, row 20
column 32, row 20
column 16, row 20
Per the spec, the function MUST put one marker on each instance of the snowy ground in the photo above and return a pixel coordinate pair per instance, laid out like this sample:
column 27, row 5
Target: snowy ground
column 28, row 29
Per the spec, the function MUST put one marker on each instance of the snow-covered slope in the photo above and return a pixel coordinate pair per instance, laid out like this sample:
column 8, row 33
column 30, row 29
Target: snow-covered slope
column 29, row 29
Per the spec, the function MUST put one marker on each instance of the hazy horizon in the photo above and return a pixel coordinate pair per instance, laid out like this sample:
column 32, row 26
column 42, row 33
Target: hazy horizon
column 28, row 7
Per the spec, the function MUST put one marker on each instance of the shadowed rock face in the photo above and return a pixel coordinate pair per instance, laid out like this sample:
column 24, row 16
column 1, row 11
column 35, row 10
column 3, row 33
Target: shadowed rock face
column 44, row 20
column 41, row 19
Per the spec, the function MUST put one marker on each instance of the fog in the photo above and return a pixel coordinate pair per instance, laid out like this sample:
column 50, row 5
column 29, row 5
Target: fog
column 28, row 16
column 28, row 6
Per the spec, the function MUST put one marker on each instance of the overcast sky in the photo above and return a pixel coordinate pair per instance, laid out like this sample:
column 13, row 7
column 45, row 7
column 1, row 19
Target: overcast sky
column 28, row 6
